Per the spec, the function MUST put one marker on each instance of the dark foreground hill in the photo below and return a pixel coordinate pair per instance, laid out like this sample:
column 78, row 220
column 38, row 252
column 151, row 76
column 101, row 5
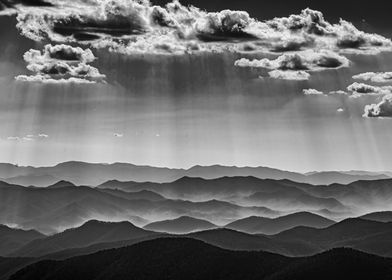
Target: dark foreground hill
column 182, row 258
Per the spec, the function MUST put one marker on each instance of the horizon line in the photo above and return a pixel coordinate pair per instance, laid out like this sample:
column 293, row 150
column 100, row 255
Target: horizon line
column 305, row 173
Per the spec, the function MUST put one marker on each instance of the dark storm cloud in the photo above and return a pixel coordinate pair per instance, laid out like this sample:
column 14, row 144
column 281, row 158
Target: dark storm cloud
column 61, row 64
column 382, row 109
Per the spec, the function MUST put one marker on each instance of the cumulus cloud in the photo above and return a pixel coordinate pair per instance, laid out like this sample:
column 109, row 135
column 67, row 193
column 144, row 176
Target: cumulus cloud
column 61, row 64
column 304, row 60
column 312, row 91
column 375, row 77
column 60, row 52
column 382, row 109
column 118, row 135
column 295, row 64
column 133, row 26
column 289, row 75
column 340, row 110
column 358, row 89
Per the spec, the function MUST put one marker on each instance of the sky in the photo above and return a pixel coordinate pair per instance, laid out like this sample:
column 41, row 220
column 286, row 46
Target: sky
column 127, row 81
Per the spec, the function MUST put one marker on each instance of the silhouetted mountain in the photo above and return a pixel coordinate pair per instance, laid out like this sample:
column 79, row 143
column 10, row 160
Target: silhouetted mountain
column 146, row 195
column 385, row 216
column 201, row 189
column 224, row 238
column 118, row 185
column 61, row 184
column 182, row 258
column 368, row 236
column 93, row 174
column 326, row 178
column 294, row 199
column 235, row 240
column 33, row 180
column 11, row 238
column 91, row 232
column 180, row 225
column 364, row 195
column 273, row 226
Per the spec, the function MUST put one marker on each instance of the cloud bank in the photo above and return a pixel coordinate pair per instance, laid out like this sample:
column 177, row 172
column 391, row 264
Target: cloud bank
column 61, row 64
column 131, row 26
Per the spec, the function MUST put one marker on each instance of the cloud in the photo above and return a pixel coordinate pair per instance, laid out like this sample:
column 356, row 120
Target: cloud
column 358, row 89
column 304, row 60
column 375, row 77
column 43, row 135
column 289, row 75
column 382, row 109
column 28, row 138
column 295, row 64
column 61, row 64
column 119, row 135
column 338, row 92
column 46, row 79
column 60, row 52
column 133, row 26
column 13, row 138
column 349, row 37
column 312, row 92
column 340, row 110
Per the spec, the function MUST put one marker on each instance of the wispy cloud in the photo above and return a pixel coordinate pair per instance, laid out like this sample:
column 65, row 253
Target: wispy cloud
column 28, row 138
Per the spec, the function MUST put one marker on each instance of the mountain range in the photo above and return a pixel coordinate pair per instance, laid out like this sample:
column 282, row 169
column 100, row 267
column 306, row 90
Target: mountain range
column 92, row 174
column 217, row 201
